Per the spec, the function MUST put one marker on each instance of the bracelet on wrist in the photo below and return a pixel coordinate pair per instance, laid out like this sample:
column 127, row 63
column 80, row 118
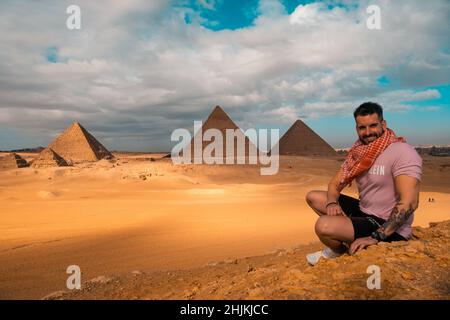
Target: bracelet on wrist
column 377, row 235
column 333, row 202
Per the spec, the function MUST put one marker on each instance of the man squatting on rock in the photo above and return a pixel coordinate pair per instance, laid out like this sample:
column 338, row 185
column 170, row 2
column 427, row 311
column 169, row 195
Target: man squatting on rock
column 387, row 172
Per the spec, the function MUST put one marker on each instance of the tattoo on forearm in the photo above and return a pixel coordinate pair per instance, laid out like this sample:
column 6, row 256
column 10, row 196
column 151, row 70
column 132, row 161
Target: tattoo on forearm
column 396, row 220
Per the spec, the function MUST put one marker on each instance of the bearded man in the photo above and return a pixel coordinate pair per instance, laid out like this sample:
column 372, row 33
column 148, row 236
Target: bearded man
column 387, row 172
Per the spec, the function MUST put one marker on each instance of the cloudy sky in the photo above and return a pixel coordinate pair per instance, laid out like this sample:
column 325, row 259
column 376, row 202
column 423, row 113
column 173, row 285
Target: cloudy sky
column 138, row 69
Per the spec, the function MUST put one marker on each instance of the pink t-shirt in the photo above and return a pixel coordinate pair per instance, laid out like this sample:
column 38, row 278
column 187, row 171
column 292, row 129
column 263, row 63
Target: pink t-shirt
column 376, row 186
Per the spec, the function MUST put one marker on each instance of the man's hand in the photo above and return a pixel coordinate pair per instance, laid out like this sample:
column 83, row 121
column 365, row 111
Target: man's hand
column 334, row 210
column 361, row 243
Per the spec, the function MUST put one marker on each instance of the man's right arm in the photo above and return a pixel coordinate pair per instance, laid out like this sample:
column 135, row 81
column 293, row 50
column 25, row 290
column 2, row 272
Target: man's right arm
column 333, row 193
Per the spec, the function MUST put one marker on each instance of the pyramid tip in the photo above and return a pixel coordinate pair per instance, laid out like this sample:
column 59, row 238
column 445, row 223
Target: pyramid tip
column 218, row 111
column 76, row 125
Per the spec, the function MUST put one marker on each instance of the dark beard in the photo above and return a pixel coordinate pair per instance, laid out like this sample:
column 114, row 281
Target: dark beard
column 363, row 142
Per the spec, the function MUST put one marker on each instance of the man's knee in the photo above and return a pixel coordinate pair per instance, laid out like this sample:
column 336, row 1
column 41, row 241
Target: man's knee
column 324, row 226
column 312, row 197
column 309, row 197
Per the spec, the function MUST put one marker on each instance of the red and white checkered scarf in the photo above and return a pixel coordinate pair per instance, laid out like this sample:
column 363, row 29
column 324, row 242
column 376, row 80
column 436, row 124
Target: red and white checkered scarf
column 361, row 156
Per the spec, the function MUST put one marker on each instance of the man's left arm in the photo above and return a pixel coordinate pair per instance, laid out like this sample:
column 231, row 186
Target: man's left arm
column 407, row 188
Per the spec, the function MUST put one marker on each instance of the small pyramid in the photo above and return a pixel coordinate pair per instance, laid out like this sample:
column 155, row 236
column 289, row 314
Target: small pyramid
column 12, row 161
column 48, row 158
column 76, row 145
column 301, row 140
column 218, row 119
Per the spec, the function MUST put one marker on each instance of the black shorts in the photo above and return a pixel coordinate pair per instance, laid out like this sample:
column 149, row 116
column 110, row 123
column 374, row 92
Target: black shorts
column 363, row 224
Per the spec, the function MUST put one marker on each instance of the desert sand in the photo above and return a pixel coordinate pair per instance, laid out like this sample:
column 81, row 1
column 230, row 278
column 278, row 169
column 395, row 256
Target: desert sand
column 139, row 212
column 416, row 269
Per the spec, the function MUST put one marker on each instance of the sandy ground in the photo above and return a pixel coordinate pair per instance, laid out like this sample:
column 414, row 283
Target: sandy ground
column 137, row 214
column 284, row 274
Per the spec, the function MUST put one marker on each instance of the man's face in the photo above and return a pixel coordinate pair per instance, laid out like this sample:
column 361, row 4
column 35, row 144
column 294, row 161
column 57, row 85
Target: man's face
column 369, row 128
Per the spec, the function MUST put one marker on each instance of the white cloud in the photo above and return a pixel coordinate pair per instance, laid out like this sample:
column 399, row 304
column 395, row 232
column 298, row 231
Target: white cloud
column 411, row 95
column 315, row 13
column 287, row 114
column 208, row 4
column 271, row 8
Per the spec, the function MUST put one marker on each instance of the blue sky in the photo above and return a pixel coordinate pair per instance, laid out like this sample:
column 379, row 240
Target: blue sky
column 235, row 14
column 139, row 69
column 232, row 14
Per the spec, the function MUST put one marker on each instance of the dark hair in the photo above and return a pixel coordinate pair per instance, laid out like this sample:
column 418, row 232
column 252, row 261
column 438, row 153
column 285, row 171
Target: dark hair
column 369, row 108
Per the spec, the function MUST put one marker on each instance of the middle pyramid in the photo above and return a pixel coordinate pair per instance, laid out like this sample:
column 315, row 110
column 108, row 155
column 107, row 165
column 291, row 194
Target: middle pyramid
column 219, row 120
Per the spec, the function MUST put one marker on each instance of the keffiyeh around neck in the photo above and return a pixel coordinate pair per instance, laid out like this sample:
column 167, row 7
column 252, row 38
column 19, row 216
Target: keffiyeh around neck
column 361, row 156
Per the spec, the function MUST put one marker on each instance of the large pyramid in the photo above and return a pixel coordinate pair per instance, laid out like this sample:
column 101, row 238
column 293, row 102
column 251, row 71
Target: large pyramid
column 76, row 144
column 12, row 161
column 301, row 140
column 48, row 158
column 218, row 119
